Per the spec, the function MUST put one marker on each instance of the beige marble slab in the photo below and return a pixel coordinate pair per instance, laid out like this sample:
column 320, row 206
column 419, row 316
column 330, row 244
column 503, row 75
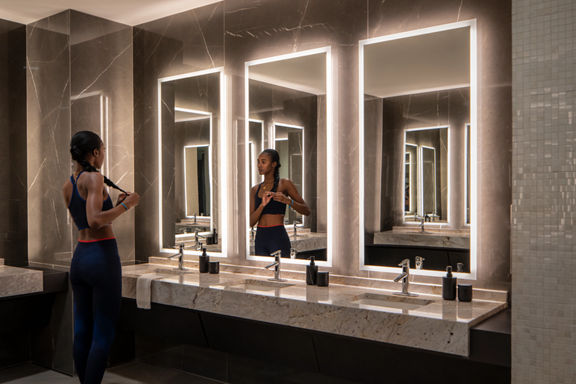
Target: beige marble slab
column 373, row 314
column 427, row 239
column 19, row 281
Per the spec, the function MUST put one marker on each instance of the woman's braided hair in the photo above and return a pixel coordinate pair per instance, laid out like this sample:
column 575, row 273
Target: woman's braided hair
column 83, row 143
column 274, row 157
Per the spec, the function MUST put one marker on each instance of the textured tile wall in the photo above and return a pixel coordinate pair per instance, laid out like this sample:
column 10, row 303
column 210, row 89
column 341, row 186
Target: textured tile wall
column 544, row 192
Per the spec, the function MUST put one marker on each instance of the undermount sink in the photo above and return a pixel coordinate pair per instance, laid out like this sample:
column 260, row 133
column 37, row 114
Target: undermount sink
column 175, row 271
column 262, row 285
column 391, row 301
column 430, row 230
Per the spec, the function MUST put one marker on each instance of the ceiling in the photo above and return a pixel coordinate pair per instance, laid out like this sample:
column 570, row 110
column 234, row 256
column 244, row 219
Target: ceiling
column 130, row 12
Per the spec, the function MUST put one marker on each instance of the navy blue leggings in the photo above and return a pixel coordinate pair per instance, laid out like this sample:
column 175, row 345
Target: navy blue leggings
column 271, row 239
column 96, row 278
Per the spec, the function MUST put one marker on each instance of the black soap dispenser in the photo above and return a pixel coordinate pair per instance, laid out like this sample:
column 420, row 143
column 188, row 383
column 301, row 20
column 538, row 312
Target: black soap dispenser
column 449, row 285
column 311, row 272
column 203, row 261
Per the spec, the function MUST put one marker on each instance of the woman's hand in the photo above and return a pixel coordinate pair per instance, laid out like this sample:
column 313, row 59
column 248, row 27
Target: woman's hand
column 121, row 198
column 266, row 198
column 279, row 196
column 131, row 200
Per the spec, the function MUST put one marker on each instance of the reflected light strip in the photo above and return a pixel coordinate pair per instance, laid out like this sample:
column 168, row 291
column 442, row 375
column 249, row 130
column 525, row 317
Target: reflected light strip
column 302, row 192
column 159, row 127
column 329, row 144
column 473, row 150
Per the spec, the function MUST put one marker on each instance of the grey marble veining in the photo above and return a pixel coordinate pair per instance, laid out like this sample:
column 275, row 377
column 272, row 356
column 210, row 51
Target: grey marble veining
column 430, row 324
column 19, row 281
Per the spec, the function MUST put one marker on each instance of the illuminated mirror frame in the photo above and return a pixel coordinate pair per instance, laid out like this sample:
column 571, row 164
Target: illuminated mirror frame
column 329, row 150
column 420, row 178
column 473, row 145
column 410, row 178
column 222, row 158
column 209, row 180
column 275, row 124
column 262, row 147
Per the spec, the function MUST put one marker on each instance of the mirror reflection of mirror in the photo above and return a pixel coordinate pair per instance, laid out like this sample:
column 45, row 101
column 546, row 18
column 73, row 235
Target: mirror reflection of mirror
column 427, row 173
column 190, row 108
column 255, row 146
column 288, row 96
column 416, row 102
column 468, row 175
column 289, row 142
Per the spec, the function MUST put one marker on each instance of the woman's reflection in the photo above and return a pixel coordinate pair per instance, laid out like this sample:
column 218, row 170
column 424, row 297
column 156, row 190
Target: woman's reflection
column 268, row 202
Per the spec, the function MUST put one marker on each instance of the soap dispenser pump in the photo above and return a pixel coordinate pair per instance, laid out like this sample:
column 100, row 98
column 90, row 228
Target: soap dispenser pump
column 449, row 285
column 203, row 261
column 311, row 272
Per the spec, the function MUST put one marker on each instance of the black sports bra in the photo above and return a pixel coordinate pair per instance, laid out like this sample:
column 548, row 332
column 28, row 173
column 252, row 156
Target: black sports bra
column 273, row 207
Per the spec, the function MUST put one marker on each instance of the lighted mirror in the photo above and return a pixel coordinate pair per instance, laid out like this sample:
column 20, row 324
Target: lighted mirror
column 288, row 111
column 190, row 137
column 417, row 135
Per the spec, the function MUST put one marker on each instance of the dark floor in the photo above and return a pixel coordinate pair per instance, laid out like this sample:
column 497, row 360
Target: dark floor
column 131, row 373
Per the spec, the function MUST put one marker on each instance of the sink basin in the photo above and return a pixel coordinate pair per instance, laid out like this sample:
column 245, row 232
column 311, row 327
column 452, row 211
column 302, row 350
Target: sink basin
column 391, row 301
column 175, row 271
column 262, row 285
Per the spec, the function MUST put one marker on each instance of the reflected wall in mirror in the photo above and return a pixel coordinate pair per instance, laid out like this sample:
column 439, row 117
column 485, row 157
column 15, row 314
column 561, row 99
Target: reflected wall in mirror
column 416, row 98
column 189, row 136
column 289, row 95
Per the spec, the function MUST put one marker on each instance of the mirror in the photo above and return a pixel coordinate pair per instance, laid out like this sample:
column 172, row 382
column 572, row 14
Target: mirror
column 287, row 110
column 426, row 174
column 416, row 138
column 189, row 135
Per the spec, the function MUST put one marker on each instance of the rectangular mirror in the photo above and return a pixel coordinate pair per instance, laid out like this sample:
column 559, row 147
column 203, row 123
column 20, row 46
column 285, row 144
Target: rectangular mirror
column 417, row 135
column 288, row 111
column 190, row 136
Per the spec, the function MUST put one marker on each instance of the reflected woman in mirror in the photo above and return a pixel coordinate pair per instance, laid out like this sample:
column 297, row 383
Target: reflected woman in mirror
column 268, row 202
column 95, row 272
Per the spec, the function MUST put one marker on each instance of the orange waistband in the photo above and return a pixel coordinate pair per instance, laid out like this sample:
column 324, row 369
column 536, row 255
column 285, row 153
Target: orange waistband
column 93, row 241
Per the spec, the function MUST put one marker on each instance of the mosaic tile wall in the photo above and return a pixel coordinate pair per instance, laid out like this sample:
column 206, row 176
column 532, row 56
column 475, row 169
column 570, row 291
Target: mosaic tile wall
column 544, row 192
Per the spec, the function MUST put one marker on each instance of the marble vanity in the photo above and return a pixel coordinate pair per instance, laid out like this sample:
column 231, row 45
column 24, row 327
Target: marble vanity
column 424, row 322
column 430, row 237
column 19, row 281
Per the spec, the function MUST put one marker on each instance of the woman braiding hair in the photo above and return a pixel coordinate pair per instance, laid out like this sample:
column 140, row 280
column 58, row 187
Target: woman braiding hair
column 268, row 202
column 95, row 272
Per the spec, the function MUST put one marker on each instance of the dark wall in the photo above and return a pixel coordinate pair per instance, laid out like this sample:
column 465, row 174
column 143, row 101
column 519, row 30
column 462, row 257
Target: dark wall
column 13, row 191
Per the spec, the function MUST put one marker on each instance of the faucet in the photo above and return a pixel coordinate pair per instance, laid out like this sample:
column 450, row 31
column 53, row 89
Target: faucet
column 419, row 260
column 295, row 232
column 180, row 255
column 197, row 242
column 252, row 231
column 276, row 264
column 404, row 276
column 422, row 220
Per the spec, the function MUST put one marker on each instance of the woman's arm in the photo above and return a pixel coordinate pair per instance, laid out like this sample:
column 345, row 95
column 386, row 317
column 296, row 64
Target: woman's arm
column 293, row 198
column 96, row 217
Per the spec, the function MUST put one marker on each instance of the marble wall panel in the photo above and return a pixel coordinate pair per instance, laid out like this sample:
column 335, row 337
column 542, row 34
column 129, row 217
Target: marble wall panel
column 182, row 43
column 101, row 75
column 13, row 202
column 494, row 109
column 48, row 137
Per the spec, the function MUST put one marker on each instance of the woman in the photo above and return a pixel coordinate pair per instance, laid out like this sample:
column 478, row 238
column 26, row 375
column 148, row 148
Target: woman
column 95, row 272
column 268, row 202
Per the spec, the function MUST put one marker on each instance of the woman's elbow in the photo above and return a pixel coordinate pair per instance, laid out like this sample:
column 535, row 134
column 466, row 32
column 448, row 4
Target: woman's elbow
column 95, row 224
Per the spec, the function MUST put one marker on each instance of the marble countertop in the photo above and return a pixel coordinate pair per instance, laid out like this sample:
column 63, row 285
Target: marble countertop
column 19, row 281
column 426, row 239
column 424, row 322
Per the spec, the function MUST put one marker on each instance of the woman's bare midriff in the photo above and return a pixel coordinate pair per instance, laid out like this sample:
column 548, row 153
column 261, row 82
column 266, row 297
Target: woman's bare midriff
column 105, row 232
column 270, row 220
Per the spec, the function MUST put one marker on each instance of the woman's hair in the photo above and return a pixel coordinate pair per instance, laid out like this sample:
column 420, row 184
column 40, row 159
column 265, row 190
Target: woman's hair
column 274, row 157
column 84, row 143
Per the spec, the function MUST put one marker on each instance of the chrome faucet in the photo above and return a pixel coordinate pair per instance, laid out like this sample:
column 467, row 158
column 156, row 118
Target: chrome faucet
column 276, row 264
column 295, row 231
column 252, row 232
column 180, row 255
column 404, row 276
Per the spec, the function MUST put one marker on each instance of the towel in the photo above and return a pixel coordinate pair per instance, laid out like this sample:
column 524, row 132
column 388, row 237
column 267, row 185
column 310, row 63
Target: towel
column 144, row 289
